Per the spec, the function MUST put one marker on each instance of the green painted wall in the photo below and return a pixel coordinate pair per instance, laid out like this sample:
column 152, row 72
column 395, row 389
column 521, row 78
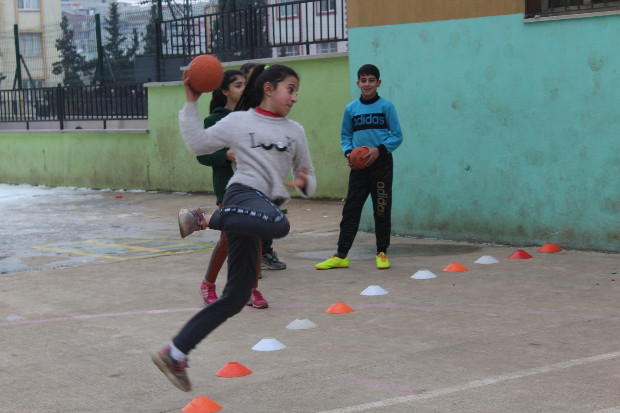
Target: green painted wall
column 158, row 158
column 511, row 129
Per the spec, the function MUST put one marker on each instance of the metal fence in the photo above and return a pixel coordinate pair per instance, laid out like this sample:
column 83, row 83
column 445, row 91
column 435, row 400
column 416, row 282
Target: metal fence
column 153, row 44
column 74, row 103
column 547, row 8
column 283, row 28
column 103, row 81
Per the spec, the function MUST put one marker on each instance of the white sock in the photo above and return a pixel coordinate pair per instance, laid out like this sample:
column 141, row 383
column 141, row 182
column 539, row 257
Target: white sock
column 177, row 354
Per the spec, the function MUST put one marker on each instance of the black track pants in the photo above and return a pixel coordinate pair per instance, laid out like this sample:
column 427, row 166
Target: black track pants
column 246, row 218
column 375, row 180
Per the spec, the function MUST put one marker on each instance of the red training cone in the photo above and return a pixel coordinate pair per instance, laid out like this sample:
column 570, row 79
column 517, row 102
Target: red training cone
column 339, row 308
column 455, row 267
column 201, row 404
column 520, row 255
column 549, row 247
column 233, row 369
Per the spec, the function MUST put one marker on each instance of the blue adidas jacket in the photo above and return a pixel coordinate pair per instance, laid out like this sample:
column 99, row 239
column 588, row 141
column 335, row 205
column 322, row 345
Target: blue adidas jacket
column 370, row 122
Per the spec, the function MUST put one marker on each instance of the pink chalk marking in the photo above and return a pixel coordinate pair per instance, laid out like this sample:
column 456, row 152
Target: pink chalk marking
column 481, row 310
column 104, row 315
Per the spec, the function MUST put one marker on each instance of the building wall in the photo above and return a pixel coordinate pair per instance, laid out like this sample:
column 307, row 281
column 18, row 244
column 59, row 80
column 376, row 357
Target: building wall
column 510, row 127
column 157, row 159
column 369, row 13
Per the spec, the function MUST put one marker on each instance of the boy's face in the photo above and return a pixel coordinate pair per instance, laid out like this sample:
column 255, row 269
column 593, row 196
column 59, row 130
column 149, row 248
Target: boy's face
column 368, row 84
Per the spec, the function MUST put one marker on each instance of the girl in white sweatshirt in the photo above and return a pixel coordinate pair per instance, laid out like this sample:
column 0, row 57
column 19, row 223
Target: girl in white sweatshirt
column 266, row 146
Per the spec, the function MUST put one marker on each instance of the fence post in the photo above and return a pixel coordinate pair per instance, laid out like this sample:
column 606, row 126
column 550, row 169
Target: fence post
column 18, row 63
column 158, row 39
column 251, row 30
column 99, row 70
column 60, row 104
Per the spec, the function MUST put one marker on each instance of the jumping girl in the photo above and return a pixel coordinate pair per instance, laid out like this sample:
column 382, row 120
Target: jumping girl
column 266, row 145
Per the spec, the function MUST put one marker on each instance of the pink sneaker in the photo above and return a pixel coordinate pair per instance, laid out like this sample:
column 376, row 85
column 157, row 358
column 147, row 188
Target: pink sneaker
column 257, row 300
column 208, row 293
column 191, row 220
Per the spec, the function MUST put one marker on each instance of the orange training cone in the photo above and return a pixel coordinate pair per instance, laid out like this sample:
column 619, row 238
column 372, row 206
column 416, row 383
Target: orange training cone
column 201, row 404
column 520, row 255
column 233, row 369
column 549, row 247
column 339, row 308
column 455, row 267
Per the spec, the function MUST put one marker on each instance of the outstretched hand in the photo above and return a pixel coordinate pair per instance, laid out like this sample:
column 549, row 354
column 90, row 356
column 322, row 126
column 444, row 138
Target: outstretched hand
column 300, row 179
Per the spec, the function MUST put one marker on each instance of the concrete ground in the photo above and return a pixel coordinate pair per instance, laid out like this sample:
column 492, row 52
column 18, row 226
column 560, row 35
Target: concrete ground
column 99, row 282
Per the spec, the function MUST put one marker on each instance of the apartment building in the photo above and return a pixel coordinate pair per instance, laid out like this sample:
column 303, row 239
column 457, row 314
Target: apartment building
column 33, row 18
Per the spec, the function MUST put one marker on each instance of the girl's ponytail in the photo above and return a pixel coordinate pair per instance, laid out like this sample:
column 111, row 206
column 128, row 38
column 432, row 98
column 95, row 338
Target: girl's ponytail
column 250, row 98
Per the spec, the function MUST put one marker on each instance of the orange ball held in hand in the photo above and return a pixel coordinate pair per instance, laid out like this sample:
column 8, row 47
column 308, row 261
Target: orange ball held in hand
column 205, row 73
column 355, row 157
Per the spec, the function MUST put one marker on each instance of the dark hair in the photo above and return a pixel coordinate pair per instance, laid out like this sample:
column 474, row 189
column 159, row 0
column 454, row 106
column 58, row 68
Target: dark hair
column 247, row 67
column 218, row 99
column 371, row 70
column 253, row 93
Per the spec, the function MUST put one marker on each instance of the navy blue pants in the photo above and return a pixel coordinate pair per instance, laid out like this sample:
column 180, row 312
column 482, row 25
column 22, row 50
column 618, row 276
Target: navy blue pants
column 246, row 217
column 376, row 181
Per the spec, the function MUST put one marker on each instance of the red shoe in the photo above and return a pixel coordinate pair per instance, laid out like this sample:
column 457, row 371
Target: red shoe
column 257, row 300
column 208, row 293
column 173, row 369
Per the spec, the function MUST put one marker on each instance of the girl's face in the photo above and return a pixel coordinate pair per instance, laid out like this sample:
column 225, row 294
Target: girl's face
column 235, row 90
column 281, row 99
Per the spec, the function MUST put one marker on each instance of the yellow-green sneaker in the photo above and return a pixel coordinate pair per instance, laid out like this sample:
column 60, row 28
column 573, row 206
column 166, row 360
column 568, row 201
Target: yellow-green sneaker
column 333, row 262
column 382, row 261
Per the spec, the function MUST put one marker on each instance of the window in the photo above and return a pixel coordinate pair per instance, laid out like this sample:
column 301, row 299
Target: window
column 30, row 44
column 36, row 83
column 28, row 5
column 546, row 8
column 327, row 47
column 326, row 6
column 289, row 10
column 285, row 51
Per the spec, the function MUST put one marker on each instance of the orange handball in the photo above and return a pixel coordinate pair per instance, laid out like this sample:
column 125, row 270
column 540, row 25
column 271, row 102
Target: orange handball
column 205, row 73
column 355, row 157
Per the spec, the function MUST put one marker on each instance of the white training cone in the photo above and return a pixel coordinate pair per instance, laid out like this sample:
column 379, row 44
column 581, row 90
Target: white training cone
column 374, row 290
column 301, row 324
column 423, row 275
column 486, row 259
column 268, row 344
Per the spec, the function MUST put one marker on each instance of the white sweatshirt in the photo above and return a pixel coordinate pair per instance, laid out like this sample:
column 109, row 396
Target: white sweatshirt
column 265, row 148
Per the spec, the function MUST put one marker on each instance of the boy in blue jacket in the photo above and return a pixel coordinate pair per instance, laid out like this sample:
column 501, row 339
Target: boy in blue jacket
column 368, row 121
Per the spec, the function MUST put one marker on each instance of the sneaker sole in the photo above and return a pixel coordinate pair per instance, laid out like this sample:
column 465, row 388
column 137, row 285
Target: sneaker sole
column 183, row 235
column 271, row 267
column 163, row 367
column 330, row 268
